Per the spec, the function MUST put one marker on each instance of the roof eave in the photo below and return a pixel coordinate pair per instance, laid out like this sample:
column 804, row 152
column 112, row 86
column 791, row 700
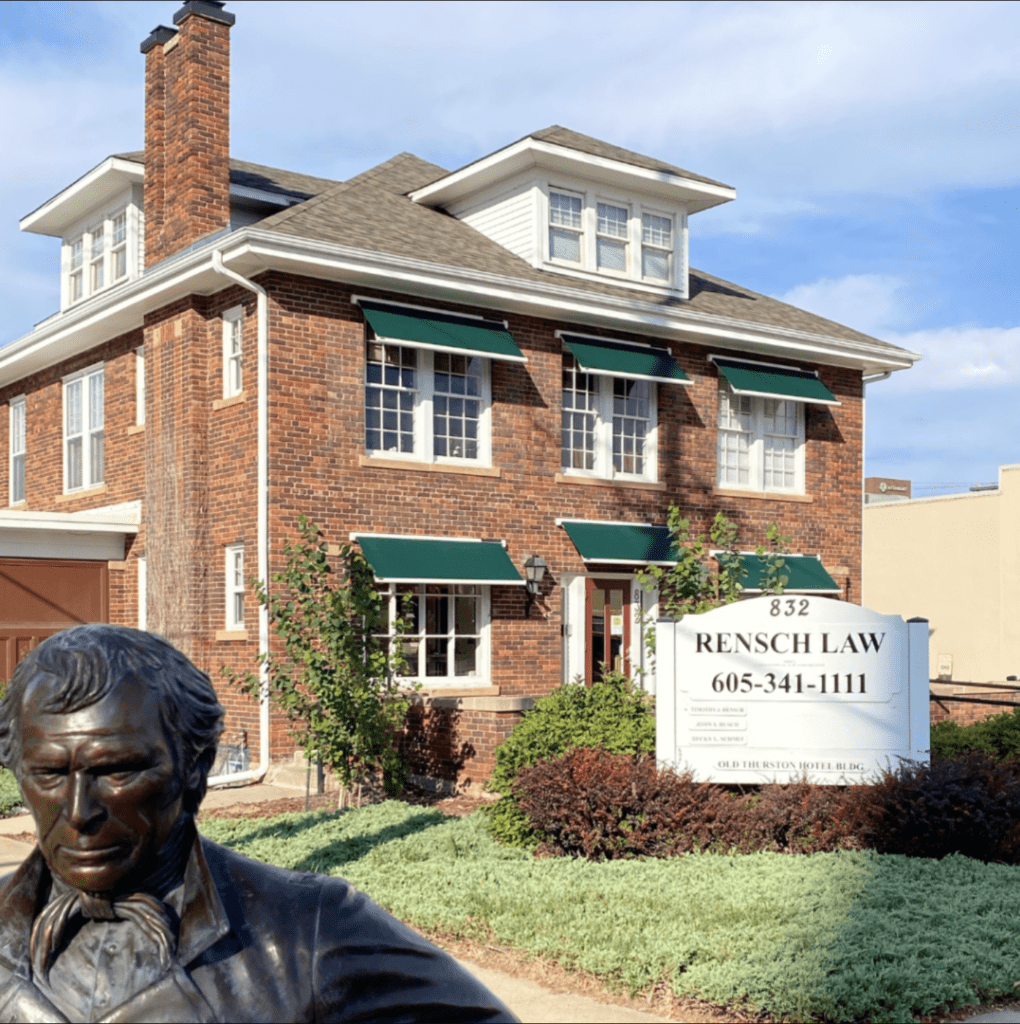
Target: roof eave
column 251, row 251
column 92, row 189
column 505, row 163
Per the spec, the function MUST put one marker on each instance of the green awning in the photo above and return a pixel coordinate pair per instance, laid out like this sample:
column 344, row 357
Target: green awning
column 783, row 382
column 626, row 543
column 805, row 575
column 636, row 362
column 426, row 560
column 441, row 331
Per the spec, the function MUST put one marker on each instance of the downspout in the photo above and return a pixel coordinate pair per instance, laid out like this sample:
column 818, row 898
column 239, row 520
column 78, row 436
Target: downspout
column 262, row 503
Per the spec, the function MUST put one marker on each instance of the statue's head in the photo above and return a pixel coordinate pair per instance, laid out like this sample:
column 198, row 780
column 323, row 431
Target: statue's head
column 111, row 733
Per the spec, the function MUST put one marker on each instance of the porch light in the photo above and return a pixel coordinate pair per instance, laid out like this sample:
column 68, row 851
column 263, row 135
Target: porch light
column 534, row 572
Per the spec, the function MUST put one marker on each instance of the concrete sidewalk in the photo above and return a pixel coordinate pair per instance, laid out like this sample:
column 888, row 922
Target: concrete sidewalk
column 531, row 1002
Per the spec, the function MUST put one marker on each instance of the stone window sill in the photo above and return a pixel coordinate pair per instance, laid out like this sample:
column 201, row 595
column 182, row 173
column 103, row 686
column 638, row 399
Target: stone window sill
column 725, row 492
column 372, row 462
column 594, row 481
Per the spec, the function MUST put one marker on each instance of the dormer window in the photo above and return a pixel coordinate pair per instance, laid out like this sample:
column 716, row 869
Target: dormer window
column 77, row 282
column 565, row 226
column 611, row 243
column 99, row 257
column 656, row 247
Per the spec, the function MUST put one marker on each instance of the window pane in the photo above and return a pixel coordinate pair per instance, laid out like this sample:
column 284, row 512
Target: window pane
column 465, row 656
column 657, row 230
column 655, row 263
column 77, row 253
column 389, row 402
column 564, row 210
column 120, row 263
column 97, row 466
column 580, row 400
column 612, row 255
column 436, row 656
column 18, row 478
column 612, row 220
column 239, row 609
column 564, row 245
column 73, row 400
column 97, row 243
column 119, row 228
column 96, row 395
column 74, row 463
column 18, row 428
column 630, row 424
column 455, row 420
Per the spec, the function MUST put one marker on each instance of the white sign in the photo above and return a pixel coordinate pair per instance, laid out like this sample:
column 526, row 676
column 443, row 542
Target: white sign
column 773, row 688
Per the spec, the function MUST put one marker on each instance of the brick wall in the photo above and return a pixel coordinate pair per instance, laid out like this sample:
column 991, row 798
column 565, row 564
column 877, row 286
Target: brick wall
column 194, row 464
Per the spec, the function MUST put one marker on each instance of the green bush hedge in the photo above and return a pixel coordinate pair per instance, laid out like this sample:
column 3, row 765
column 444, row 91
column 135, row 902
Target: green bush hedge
column 998, row 736
column 614, row 715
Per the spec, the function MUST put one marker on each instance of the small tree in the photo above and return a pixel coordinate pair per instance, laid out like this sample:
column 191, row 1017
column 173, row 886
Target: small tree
column 690, row 587
column 336, row 678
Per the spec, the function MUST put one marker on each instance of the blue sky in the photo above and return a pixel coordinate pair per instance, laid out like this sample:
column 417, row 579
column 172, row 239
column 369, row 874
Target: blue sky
column 875, row 151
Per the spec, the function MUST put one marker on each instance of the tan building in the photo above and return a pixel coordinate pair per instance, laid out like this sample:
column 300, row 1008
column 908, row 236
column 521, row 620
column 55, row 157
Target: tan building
column 955, row 560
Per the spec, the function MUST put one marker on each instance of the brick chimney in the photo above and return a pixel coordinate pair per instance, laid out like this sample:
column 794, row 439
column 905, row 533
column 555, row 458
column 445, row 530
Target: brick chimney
column 187, row 129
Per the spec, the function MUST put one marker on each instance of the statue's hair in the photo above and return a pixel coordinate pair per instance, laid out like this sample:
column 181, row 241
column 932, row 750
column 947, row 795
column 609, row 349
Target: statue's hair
column 80, row 666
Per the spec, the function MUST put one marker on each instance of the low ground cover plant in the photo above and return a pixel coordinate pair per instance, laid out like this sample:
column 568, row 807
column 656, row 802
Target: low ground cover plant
column 843, row 936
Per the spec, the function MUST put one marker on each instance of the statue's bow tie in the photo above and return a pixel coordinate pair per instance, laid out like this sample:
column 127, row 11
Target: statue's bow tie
column 150, row 915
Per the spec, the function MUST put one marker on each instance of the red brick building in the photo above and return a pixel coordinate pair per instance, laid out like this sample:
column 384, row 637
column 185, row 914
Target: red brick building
column 462, row 369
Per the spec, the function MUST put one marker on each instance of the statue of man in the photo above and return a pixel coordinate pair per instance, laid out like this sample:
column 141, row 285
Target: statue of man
column 124, row 913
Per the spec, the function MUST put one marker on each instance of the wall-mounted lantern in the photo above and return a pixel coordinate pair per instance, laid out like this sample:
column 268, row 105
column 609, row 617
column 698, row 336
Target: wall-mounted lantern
column 534, row 573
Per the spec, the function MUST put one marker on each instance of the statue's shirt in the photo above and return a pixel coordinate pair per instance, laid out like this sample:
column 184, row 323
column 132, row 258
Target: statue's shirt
column 102, row 964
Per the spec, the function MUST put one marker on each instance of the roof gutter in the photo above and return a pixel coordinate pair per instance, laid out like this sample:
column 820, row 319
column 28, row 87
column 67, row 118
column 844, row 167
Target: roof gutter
column 262, row 516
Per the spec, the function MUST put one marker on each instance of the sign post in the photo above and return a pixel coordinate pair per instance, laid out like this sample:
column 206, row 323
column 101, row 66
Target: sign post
column 776, row 688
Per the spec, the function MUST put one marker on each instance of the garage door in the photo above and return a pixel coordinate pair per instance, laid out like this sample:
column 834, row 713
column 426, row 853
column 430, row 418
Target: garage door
column 41, row 596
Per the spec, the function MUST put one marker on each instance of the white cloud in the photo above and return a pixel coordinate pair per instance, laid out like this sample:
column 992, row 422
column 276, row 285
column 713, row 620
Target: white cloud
column 866, row 302
column 959, row 358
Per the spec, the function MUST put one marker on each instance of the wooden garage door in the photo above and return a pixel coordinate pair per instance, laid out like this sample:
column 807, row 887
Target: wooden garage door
column 41, row 596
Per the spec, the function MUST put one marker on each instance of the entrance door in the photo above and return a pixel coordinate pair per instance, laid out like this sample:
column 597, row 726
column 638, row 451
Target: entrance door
column 607, row 627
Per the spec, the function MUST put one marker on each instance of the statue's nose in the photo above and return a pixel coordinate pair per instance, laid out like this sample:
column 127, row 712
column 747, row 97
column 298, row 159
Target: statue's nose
column 83, row 809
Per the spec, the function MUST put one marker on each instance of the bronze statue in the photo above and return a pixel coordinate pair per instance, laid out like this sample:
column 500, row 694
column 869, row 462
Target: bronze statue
column 124, row 913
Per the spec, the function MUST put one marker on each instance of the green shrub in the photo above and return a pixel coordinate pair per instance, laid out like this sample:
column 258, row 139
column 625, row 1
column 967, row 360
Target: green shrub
column 998, row 736
column 612, row 714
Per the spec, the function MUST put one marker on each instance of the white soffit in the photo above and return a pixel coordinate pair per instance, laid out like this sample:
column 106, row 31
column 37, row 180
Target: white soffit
column 528, row 153
column 98, row 534
column 91, row 190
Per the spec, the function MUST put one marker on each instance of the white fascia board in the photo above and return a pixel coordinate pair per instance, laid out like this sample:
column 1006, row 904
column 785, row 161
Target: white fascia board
column 481, row 174
column 252, row 250
column 91, row 190
column 63, row 522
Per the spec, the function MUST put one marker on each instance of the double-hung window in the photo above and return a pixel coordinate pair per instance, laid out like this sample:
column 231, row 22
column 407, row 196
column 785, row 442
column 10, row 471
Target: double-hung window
column 427, row 384
column 565, row 226
column 97, row 266
column 118, row 241
column 656, row 246
column 99, row 257
column 233, row 352
column 84, row 453
column 235, row 587
column 76, row 284
column 609, row 407
column 17, row 435
column 611, row 238
column 761, row 424
column 444, row 631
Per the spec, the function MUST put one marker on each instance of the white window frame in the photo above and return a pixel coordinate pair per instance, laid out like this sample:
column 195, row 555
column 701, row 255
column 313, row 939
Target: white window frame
column 18, row 434
column 566, row 228
column 604, row 468
column 234, row 586
column 92, row 422
column 609, row 236
column 591, row 196
column 417, row 637
column 424, row 405
column 233, row 359
column 140, row 386
column 756, row 445
column 86, row 272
